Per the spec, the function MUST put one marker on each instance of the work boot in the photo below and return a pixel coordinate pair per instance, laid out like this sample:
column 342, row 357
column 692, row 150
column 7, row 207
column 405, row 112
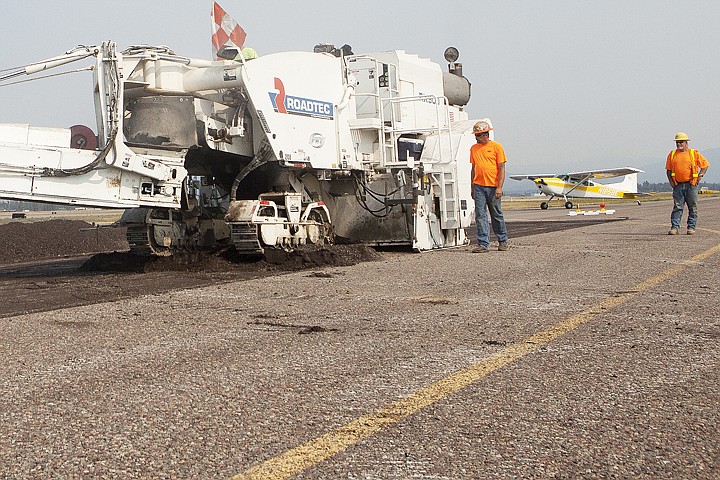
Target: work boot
column 673, row 231
column 502, row 246
column 480, row 249
column 691, row 231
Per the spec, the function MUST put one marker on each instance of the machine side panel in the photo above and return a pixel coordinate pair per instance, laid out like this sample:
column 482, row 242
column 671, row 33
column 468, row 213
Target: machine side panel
column 296, row 97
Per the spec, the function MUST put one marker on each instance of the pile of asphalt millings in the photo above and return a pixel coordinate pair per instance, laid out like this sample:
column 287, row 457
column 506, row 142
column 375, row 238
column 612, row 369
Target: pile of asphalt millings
column 312, row 256
column 305, row 257
column 32, row 241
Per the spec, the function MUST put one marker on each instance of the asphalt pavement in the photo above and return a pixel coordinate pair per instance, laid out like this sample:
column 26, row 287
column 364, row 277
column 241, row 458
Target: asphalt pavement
column 584, row 352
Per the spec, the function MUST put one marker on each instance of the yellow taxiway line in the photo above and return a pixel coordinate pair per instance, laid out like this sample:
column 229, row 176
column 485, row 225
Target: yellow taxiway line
column 294, row 461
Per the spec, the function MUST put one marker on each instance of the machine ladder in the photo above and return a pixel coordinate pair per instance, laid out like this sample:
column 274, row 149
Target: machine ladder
column 380, row 109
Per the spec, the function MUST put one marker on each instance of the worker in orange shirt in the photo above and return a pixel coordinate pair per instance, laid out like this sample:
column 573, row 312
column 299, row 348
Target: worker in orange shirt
column 487, row 176
column 685, row 167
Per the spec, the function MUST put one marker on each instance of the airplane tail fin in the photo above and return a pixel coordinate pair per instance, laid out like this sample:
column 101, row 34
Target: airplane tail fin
column 627, row 184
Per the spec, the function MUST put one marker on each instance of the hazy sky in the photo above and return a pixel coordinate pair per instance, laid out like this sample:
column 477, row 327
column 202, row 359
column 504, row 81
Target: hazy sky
column 568, row 84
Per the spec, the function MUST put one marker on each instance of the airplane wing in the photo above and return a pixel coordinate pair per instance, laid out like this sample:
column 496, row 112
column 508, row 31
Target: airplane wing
column 585, row 174
column 605, row 173
column 635, row 195
column 533, row 177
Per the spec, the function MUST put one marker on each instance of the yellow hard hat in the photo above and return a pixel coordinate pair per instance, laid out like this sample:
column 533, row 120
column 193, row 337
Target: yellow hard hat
column 247, row 53
column 681, row 137
column 481, row 127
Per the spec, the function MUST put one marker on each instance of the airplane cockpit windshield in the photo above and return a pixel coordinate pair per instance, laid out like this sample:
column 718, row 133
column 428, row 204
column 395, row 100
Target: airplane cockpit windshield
column 584, row 182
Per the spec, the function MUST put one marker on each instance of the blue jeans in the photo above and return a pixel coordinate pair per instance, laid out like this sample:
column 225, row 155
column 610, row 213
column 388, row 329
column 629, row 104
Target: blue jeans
column 684, row 193
column 485, row 201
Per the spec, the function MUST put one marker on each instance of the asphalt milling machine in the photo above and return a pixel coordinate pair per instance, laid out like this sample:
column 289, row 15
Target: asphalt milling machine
column 281, row 151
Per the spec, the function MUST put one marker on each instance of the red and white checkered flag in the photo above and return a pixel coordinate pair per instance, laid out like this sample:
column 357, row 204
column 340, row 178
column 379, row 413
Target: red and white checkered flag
column 225, row 31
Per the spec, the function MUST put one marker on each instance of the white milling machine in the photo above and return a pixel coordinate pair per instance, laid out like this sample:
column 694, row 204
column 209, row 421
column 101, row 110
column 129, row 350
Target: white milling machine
column 279, row 151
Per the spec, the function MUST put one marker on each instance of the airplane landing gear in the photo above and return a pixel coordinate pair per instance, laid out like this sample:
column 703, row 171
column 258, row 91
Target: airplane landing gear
column 568, row 204
column 544, row 205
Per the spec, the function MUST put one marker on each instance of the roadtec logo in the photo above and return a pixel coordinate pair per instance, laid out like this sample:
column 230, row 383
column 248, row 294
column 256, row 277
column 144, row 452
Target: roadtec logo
column 307, row 107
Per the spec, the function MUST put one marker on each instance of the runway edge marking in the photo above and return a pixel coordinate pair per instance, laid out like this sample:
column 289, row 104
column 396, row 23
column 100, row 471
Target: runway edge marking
column 302, row 457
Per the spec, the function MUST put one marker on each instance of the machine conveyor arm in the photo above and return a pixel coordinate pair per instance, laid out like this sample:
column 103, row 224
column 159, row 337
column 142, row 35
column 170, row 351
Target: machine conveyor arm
column 71, row 56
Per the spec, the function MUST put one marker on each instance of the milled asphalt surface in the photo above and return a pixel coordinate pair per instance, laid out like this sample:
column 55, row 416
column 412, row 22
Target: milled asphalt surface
column 210, row 382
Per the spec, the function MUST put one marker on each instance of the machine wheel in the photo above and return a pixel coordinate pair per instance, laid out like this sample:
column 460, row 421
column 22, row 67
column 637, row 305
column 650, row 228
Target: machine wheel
column 568, row 205
column 156, row 248
column 142, row 241
column 544, row 205
column 327, row 236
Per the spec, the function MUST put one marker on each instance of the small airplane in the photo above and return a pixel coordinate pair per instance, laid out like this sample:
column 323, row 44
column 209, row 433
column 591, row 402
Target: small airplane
column 579, row 185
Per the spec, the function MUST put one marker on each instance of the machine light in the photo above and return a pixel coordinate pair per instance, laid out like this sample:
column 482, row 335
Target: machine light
column 451, row 54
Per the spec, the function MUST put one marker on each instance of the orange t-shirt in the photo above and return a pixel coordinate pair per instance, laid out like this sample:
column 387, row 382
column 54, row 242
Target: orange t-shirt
column 485, row 159
column 681, row 163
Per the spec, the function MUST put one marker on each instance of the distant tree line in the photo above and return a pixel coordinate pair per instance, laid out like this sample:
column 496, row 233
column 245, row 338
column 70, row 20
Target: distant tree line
column 665, row 186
